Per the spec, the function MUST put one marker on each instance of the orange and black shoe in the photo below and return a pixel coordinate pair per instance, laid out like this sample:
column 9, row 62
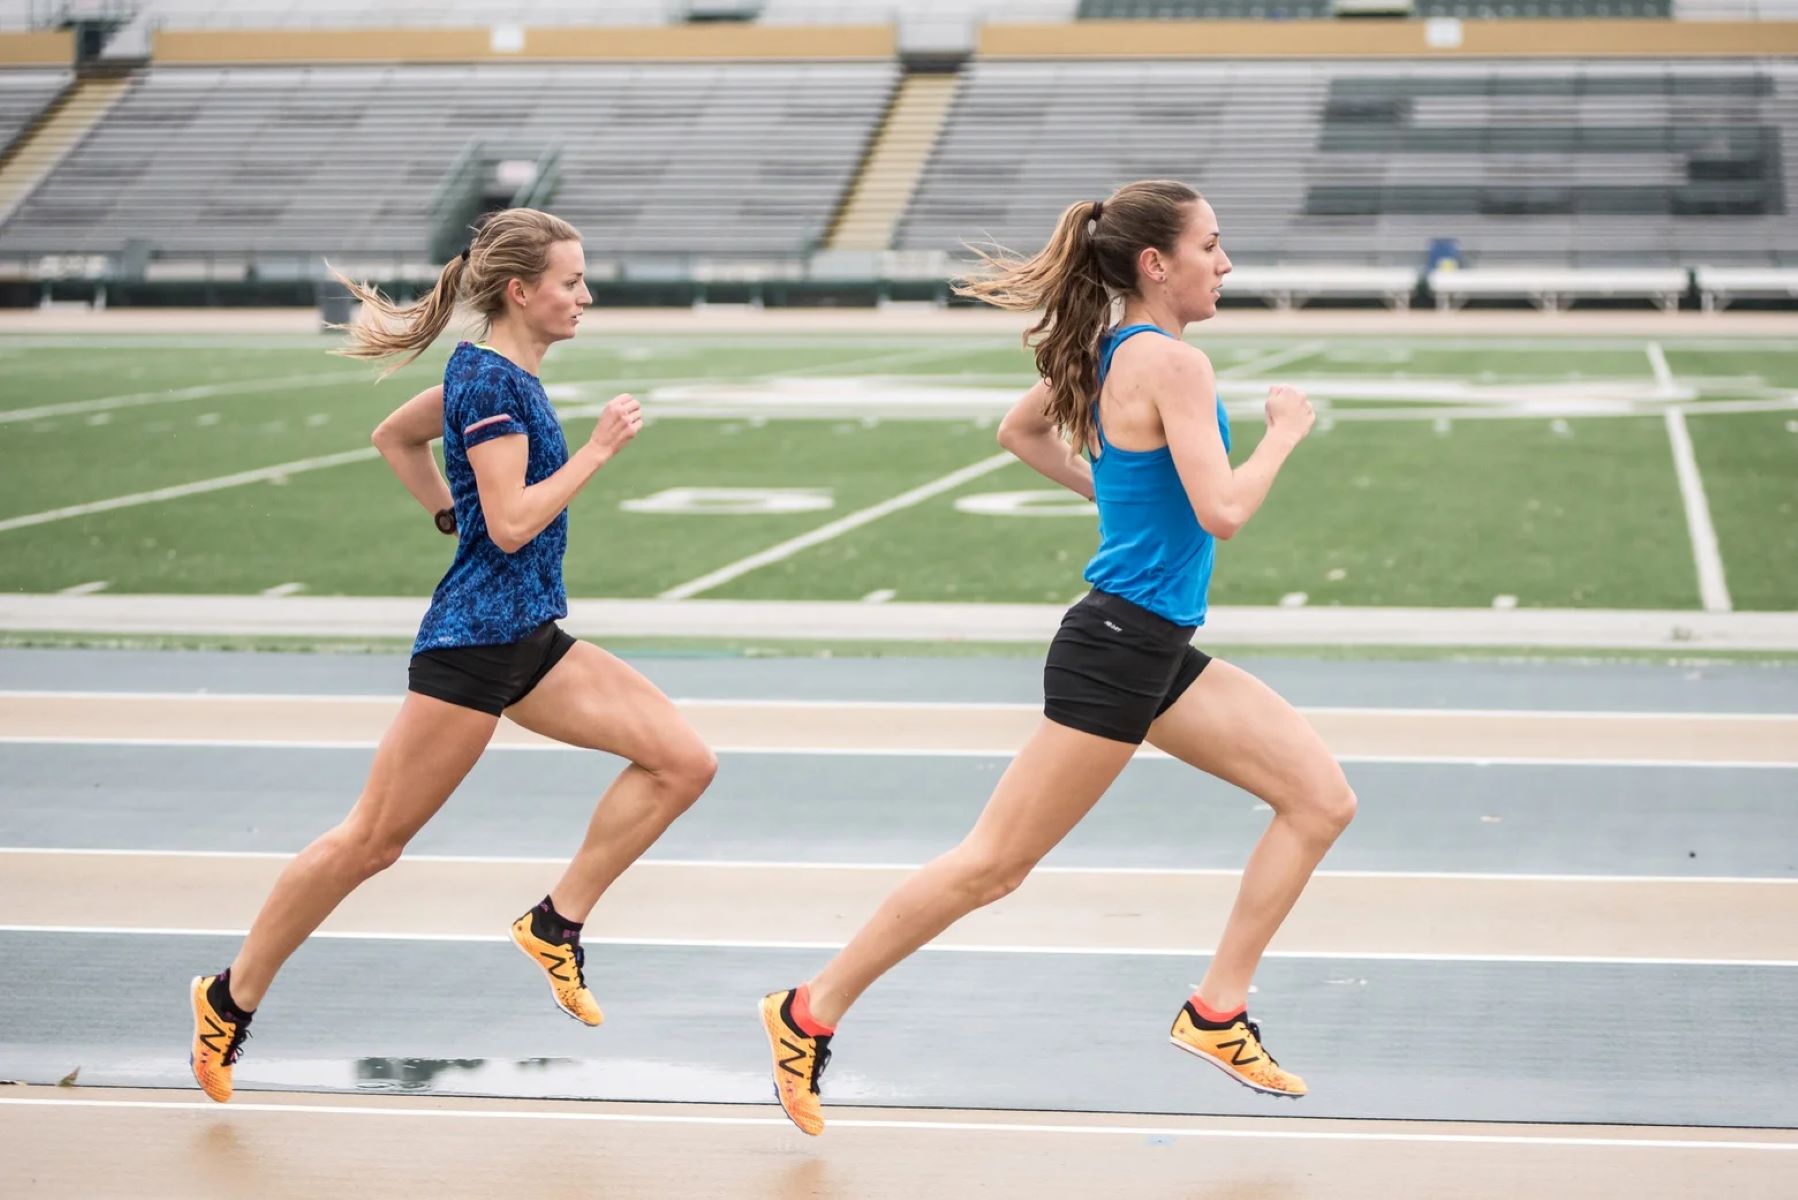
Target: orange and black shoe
column 219, row 1034
column 564, row 963
column 799, row 1062
column 1233, row 1046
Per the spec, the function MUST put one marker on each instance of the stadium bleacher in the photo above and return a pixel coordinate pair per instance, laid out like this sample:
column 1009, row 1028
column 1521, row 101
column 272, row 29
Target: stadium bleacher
column 1595, row 162
column 23, row 95
column 725, row 159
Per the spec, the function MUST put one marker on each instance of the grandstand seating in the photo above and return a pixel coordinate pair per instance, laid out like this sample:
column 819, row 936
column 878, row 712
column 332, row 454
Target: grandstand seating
column 344, row 14
column 1590, row 162
column 1255, row 10
column 23, row 95
column 731, row 159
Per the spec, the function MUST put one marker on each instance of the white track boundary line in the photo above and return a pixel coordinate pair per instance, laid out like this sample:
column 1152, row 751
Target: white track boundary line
column 837, row 528
column 901, row 1125
column 1713, row 592
column 1146, row 752
column 937, row 947
column 177, row 395
column 736, row 864
column 339, row 699
column 199, row 487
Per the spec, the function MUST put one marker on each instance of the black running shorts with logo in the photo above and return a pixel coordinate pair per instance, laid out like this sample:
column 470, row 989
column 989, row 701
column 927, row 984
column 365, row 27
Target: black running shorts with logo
column 489, row 678
column 1115, row 666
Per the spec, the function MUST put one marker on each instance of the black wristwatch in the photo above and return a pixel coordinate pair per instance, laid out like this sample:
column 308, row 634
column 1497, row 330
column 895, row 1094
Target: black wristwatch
column 446, row 520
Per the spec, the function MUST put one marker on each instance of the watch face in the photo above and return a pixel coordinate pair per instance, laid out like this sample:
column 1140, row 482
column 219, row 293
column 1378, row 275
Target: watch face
column 446, row 520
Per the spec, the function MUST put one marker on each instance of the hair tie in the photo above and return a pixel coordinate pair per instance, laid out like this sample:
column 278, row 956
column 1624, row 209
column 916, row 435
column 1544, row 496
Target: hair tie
column 466, row 250
column 1098, row 209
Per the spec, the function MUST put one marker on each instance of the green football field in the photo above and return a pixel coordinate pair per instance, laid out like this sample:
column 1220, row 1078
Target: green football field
column 1471, row 471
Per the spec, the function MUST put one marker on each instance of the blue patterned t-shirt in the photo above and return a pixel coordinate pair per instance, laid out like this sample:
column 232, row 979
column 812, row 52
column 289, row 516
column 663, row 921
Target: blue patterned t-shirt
column 489, row 597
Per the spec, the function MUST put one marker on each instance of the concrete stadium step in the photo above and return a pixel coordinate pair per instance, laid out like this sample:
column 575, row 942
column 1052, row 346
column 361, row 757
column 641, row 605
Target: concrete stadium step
column 895, row 163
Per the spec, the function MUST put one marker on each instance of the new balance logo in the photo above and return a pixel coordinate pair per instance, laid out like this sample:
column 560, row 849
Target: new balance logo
column 1236, row 1058
column 797, row 1055
column 210, row 1040
column 556, row 962
column 1114, row 628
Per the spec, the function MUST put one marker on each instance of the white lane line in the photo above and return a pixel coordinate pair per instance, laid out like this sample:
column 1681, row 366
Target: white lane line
column 1664, row 385
column 837, row 528
column 86, row 589
column 736, row 864
column 199, row 487
column 284, row 589
column 1713, row 592
column 902, row 1125
column 1147, row 752
column 940, row 948
column 1333, row 710
column 176, row 395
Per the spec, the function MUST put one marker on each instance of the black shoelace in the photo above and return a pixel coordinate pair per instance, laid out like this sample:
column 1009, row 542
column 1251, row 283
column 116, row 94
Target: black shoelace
column 580, row 965
column 234, row 1050
column 820, row 1059
column 1256, row 1031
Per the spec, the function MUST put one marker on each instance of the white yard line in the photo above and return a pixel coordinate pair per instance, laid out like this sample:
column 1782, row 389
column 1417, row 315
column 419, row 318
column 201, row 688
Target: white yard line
column 837, row 528
column 1277, row 359
column 915, row 496
column 1663, row 374
column 198, row 487
column 176, row 395
column 1713, row 592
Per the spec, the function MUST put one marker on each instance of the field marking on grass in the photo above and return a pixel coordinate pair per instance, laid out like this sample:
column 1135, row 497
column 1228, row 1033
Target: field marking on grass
column 177, row 395
column 837, row 528
column 284, row 589
column 1277, row 359
column 1663, row 374
column 217, row 484
column 85, row 589
column 570, row 389
column 1713, row 592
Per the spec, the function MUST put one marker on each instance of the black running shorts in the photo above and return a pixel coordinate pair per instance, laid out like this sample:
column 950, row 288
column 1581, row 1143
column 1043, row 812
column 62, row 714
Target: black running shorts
column 1115, row 666
column 490, row 678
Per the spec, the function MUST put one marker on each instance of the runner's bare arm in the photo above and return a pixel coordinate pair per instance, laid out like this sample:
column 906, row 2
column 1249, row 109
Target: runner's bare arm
column 404, row 440
column 1030, row 435
column 1223, row 498
column 516, row 512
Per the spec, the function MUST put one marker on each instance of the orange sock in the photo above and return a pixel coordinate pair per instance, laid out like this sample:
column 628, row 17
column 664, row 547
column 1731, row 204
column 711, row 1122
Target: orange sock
column 1212, row 1014
column 802, row 1014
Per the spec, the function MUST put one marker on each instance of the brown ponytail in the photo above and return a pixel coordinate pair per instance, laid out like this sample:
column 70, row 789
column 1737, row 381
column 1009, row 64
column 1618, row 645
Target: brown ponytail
column 1090, row 257
column 513, row 244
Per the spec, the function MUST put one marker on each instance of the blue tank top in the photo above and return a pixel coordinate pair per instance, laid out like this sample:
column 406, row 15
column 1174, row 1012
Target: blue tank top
column 1152, row 550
